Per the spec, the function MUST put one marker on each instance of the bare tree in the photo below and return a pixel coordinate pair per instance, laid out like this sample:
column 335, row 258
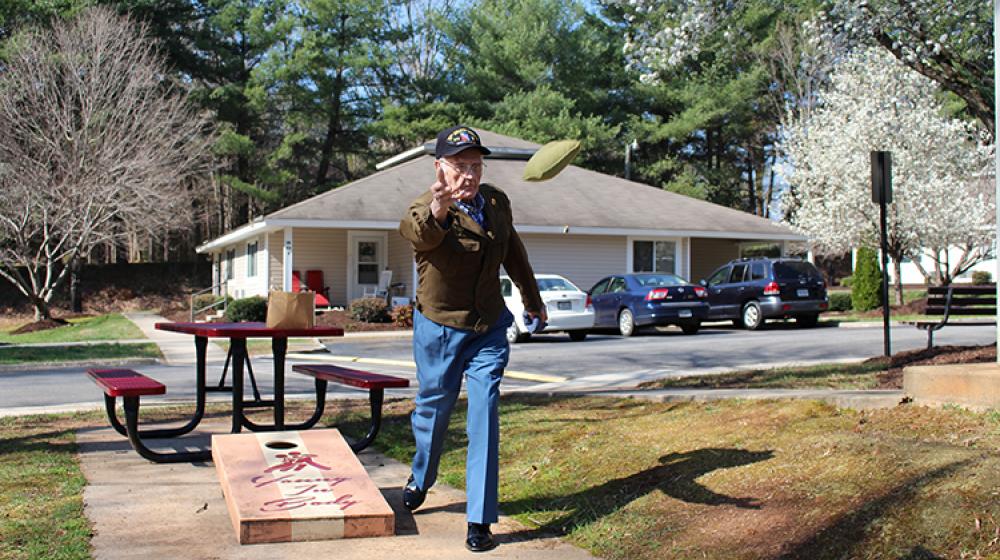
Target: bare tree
column 95, row 141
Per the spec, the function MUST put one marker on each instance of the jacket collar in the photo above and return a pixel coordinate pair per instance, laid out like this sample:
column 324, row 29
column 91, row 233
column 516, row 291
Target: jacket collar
column 489, row 210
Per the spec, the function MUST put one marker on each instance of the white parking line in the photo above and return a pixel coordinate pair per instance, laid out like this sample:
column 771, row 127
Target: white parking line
column 522, row 375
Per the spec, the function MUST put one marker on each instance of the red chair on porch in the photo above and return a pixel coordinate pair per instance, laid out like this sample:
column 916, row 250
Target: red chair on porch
column 314, row 281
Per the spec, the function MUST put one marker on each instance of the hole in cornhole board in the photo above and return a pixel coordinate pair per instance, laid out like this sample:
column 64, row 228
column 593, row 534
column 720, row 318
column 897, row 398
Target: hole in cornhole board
column 281, row 445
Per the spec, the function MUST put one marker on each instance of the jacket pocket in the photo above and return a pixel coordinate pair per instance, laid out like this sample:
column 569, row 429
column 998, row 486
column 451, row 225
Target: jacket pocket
column 467, row 254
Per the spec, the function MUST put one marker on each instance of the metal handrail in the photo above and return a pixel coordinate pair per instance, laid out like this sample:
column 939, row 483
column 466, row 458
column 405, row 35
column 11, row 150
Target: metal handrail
column 224, row 302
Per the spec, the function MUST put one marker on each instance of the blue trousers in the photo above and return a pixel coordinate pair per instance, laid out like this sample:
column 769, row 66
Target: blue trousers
column 443, row 354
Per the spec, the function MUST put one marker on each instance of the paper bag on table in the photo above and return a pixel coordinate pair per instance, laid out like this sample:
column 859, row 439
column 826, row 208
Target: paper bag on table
column 290, row 310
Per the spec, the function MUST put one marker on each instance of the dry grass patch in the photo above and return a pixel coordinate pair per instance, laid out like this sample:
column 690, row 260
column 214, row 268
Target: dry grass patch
column 741, row 479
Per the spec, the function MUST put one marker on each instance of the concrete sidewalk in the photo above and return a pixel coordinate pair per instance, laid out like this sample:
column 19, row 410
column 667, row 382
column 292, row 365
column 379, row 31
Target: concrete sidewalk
column 141, row 510
column 177, row 348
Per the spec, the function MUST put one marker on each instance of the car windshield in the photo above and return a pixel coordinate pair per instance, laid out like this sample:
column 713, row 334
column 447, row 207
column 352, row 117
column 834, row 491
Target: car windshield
column 656, row 280
column 555, row 285
column 790, row 270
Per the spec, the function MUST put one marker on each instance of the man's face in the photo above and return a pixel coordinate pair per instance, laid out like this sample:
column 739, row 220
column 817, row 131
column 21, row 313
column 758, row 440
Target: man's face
column 462, row 173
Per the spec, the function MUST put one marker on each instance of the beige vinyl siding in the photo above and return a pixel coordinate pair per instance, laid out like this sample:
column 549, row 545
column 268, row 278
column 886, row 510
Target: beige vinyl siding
column 326, row 250
column 241, row 285
column 275, row 260
column 400, row 262
column 709, row 254
column 583, row 259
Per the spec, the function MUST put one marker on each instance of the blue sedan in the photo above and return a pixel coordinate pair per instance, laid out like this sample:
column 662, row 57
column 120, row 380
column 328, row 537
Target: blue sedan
column 630, row 301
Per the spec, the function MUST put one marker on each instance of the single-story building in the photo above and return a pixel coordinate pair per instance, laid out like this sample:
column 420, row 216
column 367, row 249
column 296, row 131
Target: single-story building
column 581, row 224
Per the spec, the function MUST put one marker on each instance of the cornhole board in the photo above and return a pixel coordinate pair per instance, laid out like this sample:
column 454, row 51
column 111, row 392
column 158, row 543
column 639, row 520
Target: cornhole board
column 298, row 486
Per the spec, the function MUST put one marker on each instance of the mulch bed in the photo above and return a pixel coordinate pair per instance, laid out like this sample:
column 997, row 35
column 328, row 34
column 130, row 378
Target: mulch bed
column 43, row 325
column 342, row 319
column 892, row 378
column 915, row 307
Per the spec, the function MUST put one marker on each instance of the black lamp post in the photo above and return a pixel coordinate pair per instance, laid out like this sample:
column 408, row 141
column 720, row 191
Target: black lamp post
column 882, row 195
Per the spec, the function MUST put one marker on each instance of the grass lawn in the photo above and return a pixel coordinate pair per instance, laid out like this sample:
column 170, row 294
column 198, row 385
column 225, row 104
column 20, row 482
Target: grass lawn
column 112, row 326
column 78, row 353
column 634, row 479
column 741, row 479
column 41, row 488
column 852, row 317
column 825, row 376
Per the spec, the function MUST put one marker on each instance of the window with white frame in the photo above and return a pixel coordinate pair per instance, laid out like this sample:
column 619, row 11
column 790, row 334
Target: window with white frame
column 251, row 259
column 230, row 263
column 654, row 256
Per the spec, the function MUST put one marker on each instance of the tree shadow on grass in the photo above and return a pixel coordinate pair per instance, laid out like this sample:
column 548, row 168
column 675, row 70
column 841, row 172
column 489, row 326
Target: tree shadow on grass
column 844, row 534
column 54, row 441
column 675, row 476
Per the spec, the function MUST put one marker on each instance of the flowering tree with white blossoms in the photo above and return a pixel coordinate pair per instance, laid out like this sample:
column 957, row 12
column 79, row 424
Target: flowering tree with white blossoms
column 942, row 168
column 949, row 42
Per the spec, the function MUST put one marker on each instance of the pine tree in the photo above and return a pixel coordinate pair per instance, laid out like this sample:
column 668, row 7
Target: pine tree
column 866, row 287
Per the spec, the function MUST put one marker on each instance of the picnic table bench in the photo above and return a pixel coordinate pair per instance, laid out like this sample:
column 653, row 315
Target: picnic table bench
column 949, row 301
column 376, row 383
column 131, row 385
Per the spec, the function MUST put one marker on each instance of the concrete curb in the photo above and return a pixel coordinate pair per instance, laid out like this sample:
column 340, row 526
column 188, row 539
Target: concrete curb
column 857, row 400
column 76, row 365
column 375, row 334
column 78, row 343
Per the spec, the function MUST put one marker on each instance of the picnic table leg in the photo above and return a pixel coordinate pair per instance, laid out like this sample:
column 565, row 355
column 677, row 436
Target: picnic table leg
column 200, row 345
column 239, row 348
column 375, row 397
column 132, row 426
column 309, row 423
column 279, row 347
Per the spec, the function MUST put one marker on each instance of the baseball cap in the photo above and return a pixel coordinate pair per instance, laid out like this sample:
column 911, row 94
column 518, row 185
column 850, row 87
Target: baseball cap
column 452, row 140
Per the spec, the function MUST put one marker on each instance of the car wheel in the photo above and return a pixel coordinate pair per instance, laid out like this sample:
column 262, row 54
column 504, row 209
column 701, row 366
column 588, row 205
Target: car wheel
column 751, row 316
column 577, row 336
column 691, row 328
column 626, row 322
column 807, row 321
column 514, row 335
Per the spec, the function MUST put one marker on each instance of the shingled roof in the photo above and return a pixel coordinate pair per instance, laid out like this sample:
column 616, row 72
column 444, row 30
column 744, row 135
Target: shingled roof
column 581, row 200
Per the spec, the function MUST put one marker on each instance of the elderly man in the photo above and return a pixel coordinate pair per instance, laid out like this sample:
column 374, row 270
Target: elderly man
column 462, row 231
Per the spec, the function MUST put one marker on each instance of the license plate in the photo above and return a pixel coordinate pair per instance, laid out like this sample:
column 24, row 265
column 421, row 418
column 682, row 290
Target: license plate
column 564, row 305
column 801, row 292
column 684, row 313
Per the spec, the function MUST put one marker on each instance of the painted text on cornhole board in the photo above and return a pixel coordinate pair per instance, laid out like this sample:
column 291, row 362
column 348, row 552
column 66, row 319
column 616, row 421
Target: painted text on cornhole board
column 298, row 486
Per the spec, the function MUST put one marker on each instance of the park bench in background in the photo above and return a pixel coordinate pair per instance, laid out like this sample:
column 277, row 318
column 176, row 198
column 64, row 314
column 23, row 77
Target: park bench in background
column 950, row 301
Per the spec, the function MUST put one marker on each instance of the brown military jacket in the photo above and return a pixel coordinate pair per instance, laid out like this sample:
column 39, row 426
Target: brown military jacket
column 459, row 267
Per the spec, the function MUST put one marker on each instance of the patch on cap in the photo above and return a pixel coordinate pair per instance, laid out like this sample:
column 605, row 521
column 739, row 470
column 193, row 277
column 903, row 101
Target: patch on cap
column 464, row 136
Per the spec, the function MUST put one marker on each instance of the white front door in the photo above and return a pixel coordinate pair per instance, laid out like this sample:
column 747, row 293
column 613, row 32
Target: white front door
column 367, row 259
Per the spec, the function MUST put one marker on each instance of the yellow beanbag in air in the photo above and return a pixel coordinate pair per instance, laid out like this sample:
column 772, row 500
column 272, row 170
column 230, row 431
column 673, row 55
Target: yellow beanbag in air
column 550, row 159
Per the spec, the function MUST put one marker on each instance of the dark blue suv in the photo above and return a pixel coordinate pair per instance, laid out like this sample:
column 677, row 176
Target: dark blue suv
column 751, row 290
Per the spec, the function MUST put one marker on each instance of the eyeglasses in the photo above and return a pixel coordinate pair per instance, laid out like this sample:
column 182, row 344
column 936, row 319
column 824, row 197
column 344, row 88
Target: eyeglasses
column 466, row 168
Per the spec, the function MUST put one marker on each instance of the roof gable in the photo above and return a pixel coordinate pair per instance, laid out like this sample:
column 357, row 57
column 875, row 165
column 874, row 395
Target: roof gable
column 577, row 197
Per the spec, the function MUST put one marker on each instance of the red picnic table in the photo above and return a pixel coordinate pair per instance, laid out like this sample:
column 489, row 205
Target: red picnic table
column 238, row 333
column 131, row 386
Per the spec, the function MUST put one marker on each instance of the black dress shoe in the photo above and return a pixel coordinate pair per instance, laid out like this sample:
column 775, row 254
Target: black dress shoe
column 479, row 538
column 413, row 496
